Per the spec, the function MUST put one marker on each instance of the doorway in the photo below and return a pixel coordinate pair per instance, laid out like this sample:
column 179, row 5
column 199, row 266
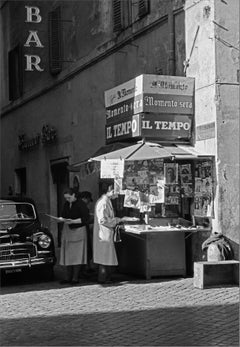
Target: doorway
column 60, row 175
column 21, row 181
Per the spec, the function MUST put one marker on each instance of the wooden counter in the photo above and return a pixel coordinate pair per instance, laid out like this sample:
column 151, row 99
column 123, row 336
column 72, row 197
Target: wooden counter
column 152, row 251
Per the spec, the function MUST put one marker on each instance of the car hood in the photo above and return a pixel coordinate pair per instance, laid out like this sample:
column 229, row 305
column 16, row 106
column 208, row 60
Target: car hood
column 18, row 231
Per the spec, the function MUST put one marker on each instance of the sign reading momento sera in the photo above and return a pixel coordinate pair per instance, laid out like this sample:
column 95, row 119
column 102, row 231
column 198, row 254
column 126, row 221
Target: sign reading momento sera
column 150, row 93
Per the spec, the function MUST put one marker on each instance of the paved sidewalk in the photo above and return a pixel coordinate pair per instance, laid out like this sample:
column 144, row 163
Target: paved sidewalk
column 162, row 312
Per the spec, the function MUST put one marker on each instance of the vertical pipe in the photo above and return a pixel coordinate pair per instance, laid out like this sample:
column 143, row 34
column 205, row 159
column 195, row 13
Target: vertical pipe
column 171, row 43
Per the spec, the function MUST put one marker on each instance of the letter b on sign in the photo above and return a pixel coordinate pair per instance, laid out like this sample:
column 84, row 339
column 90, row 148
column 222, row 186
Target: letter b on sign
column 33, row 14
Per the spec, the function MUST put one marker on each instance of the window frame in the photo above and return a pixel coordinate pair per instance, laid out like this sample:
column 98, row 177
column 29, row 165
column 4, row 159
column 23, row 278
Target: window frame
column 55, row 41
column 15, row 72
column 127, row 12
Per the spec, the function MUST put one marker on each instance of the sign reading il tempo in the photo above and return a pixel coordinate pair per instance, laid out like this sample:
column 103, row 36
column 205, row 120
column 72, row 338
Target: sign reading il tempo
column 128, row 127
column 150, row 93
column 167, row 128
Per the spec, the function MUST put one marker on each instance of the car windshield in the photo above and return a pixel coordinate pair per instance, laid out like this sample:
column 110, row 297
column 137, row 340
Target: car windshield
column 16, row 211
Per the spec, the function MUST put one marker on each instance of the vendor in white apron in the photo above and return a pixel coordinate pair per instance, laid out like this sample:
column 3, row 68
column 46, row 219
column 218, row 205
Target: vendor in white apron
column 104, row 253
column 73, row 251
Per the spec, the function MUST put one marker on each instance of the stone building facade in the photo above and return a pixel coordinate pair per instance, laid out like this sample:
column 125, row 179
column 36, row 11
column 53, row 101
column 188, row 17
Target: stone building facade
column 212, row 52
column 59, row 57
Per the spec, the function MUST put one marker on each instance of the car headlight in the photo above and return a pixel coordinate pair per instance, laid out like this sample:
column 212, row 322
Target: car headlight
column 44, row 241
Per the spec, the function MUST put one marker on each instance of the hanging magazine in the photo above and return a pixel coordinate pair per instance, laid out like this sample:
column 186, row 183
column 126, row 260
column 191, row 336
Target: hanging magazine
column 132, row 199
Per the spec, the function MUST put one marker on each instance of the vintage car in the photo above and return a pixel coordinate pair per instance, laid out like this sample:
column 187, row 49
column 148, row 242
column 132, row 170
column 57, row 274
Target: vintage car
column 24, row 243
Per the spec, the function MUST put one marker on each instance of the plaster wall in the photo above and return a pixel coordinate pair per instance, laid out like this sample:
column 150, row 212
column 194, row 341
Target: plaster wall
column 214, row 63
column 200, row 52
column 227, row 104
column 87, row 34
column 73, row 101
column 76, row 109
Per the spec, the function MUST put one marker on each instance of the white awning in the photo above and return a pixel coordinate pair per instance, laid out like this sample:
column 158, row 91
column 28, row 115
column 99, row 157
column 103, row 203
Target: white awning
column 143, row 151
column 150, row 150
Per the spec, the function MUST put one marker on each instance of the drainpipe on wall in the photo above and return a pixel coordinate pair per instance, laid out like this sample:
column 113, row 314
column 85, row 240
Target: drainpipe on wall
column 171, row 44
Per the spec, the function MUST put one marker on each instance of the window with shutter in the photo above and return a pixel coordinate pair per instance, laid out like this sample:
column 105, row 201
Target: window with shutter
column 143, row 8
column 15, row 73
column 117, row 16
column 55, row 41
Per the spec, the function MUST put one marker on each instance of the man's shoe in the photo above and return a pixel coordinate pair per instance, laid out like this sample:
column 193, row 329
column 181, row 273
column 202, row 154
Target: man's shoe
column 65, row 282
column 74, row 282
column 106, row 282
column 84, row 275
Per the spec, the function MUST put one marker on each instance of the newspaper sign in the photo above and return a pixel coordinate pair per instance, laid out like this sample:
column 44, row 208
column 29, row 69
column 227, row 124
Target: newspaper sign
column 112, row 168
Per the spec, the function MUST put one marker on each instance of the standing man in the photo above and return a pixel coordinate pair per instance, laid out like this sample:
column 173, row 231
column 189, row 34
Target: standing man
column 87, row 199
column 104, row 253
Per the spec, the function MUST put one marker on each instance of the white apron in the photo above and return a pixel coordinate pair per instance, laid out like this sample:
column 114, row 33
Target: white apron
column 104, row 252
column 73, row 246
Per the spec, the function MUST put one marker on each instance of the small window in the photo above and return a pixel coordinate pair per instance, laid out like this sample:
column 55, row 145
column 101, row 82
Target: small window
column 55, row 41
column 143, row 8
column 122, row 14
column 117, row 15
column 126, row 12
column 15, row 73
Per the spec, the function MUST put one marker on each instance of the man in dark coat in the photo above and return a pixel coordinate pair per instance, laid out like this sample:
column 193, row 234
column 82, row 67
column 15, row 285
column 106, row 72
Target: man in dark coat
column 86, row 197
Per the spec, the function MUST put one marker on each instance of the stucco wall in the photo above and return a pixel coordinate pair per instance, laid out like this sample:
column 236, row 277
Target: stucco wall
column 214, row 63
column 73, row 101
column 227, row 102
column 87, row 32
column 200, row 51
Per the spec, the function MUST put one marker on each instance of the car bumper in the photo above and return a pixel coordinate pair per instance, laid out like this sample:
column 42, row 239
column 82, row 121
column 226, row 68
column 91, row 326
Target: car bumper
column 23, row 263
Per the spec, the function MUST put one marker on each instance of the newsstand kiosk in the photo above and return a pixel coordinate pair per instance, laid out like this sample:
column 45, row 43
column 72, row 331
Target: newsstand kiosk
column 165, row 186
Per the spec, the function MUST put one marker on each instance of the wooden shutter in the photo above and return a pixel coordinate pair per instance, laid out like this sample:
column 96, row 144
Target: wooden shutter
column 143, row 8
column 55, row 41
column 15, row 73
column 117, row 15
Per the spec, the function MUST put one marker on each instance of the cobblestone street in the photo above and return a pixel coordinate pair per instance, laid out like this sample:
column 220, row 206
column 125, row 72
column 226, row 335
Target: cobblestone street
column 162, row 312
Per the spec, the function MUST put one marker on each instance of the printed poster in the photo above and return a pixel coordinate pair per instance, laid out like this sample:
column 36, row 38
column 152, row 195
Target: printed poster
column 204, row 169
column 132, row 199
column 203, row 196
column 111, row 168
column 140, row 174
column 198, row 186
column 118, row 185
column 144, row 202
column 186, row 180
column 185, row 174
column 187, row 190
column 171, row 173
column 172, row 200
column 157, row 192
column 203, row 206
column 172, row 194
column 207, row 185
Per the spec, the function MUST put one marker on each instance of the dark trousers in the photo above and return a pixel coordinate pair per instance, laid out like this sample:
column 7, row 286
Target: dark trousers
column 73, row 272
column 104, row 273
column 89, row 244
